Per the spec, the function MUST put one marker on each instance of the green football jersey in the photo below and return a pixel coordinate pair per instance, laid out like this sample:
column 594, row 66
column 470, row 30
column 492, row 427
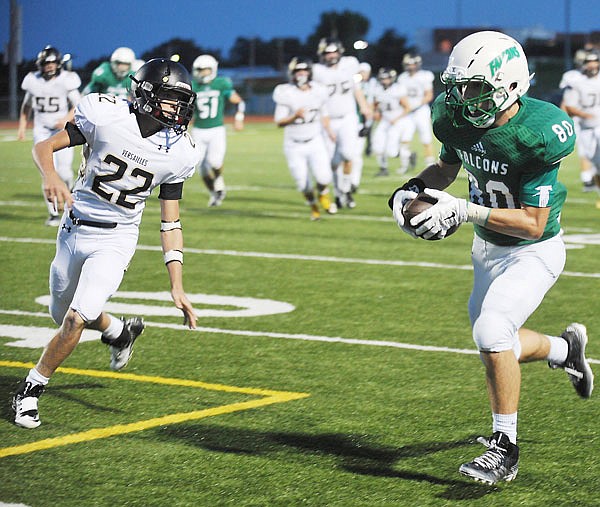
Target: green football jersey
column 210, row 102
column 514, row 164
column 104, row 81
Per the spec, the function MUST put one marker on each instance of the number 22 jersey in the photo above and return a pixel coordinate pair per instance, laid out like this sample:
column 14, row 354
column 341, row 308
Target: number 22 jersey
column 120, row 168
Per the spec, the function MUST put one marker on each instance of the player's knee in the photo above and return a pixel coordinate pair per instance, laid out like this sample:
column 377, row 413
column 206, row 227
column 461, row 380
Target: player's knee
column 73, row 323
column 492, row 332
column 58, row 309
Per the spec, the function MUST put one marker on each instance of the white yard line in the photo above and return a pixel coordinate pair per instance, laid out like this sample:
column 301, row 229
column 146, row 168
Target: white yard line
column 287, row 336
column 299, row 257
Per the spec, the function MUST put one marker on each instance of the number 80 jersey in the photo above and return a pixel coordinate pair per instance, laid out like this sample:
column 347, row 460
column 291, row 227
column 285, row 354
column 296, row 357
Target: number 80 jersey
column 120, row 168
column 511, row 165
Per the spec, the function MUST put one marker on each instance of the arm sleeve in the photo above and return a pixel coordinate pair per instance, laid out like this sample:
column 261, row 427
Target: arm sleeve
column 448, row 155
column 76, row 138
column 171, row 191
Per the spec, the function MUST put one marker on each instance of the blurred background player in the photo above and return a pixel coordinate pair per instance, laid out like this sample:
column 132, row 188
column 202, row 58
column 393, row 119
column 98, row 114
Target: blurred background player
column 300, row 108
column 337, row 72
column 392, row 110
column 419, row 86
column 51, row 94
column 367, row 85
column 208, row 125
column 112, row 77
column 581, row 101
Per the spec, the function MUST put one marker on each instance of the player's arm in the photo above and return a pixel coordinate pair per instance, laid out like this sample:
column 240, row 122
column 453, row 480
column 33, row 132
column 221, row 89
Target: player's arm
column 571, row 104
column 363, row 105
column 24, row 116
column 55, row 190
column 284, row 116
column 528, row 222
column 406, row 109
column 238, row 119
column 171, row 237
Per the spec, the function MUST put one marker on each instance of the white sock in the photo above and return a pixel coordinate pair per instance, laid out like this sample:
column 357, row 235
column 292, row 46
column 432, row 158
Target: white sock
column 346, row 183
column 36, row 378
column 559, row 349
column 587, row 175
column 114, row 329
column 219, row 184
column 507, row 424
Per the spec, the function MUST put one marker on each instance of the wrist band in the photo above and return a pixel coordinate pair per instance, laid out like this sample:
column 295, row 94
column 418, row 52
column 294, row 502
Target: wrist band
column 477, row 214
column 239, row 116
column 169, row 226
column 173, row 255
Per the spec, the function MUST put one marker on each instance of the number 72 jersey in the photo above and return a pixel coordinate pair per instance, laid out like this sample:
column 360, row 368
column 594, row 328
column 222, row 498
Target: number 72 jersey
column 511, row 165
column 120, row 168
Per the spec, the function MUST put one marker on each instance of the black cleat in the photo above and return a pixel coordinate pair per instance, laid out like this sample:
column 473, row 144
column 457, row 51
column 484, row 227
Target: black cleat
column 25, row 404
column 122, row 348
column 577, row 367
column 499, row 463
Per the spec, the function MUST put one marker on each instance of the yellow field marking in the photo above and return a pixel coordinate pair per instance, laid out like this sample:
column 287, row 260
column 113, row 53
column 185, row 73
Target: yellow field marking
column 269, row 397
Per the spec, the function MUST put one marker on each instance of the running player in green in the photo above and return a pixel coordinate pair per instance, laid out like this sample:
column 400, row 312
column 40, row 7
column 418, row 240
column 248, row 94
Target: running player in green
column 113, row 77
column 511, row 147
column 208, row 130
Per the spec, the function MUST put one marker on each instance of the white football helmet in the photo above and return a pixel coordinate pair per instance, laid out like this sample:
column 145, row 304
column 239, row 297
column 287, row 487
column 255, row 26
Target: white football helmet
column 121, row 61
column 200, row 64
column 411, row 62
column 487, row 72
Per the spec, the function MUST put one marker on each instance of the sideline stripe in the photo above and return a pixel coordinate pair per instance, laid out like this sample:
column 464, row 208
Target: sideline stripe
column 314, row 258
column 269, row 397
column 288, row 336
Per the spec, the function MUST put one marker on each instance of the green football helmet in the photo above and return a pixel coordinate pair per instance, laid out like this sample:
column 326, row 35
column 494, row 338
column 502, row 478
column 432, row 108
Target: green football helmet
column 487, row 72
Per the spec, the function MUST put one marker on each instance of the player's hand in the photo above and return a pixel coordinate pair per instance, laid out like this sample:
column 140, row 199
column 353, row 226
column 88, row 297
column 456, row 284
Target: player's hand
column 448, row 212
column 367, row 112
column 400, row 198
column 183, row 303
column 57, row 193
column 238, row 125
column 21, row 135
column 300, row 113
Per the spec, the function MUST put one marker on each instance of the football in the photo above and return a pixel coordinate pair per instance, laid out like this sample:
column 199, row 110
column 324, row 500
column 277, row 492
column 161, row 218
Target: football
column 419, row 204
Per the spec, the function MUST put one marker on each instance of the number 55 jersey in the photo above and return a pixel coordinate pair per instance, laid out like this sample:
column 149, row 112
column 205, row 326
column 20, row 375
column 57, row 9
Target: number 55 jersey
column 120, row 168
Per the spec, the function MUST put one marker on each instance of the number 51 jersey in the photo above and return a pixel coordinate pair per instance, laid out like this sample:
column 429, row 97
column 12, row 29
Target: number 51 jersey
column 120, row 168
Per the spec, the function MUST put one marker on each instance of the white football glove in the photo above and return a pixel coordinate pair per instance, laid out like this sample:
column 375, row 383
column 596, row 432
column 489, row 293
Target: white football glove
column 448, row 212
column 401, row 197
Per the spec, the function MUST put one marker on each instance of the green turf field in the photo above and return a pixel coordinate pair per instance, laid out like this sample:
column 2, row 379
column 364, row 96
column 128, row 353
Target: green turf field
column 333, row 364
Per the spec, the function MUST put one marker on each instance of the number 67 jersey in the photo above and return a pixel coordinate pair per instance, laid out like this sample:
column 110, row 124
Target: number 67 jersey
column 120, row 168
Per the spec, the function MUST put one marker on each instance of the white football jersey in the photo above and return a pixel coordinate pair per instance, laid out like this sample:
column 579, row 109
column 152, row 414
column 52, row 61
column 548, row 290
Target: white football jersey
column 289, row 98
column 120, row 168
column 569, row 77
column 416, row 85
column 388, row 100
column 584, row 94
column 340, row 83
column 51, row 99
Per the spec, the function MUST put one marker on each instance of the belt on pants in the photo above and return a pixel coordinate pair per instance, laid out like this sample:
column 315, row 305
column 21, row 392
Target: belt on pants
column 91, row 223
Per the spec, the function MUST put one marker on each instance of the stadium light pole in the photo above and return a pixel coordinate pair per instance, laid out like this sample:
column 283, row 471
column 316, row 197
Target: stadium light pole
column 14, row 56
column 567, row 55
